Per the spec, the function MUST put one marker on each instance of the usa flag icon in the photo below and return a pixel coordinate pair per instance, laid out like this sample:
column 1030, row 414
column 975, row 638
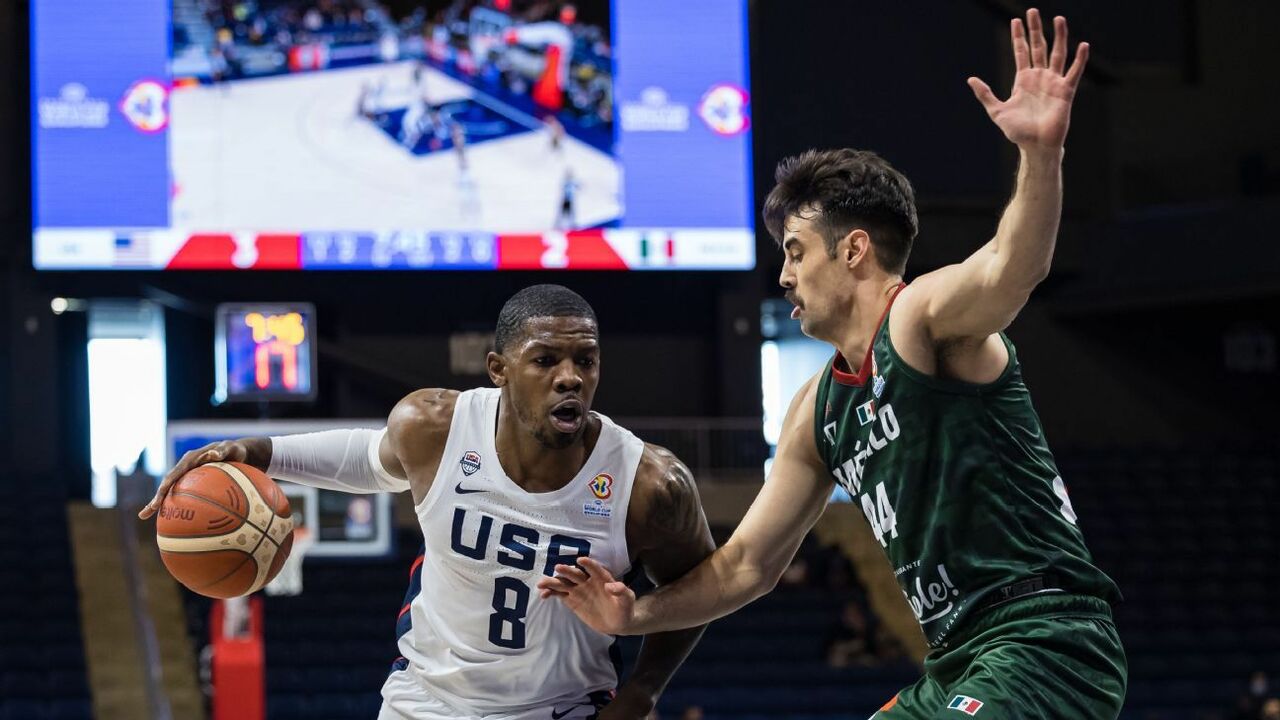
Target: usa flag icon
column 965, row 704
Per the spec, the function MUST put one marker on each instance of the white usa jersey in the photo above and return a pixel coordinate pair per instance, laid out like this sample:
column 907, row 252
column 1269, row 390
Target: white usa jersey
column 480, row 638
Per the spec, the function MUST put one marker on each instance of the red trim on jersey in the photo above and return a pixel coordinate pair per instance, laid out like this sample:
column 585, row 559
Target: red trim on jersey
column 844, row 377
column 412, row 569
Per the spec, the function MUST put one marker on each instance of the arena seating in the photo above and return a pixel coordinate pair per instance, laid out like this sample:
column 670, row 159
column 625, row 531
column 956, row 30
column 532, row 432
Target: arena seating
column 330, row 648
column 42, row 668
column 1190, row 537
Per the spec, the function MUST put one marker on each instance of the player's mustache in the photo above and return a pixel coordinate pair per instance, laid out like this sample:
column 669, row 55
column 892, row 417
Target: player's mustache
column 793, row 299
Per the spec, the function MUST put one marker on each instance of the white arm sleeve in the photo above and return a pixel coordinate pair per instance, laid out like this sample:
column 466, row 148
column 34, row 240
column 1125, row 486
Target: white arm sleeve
column 343, row 460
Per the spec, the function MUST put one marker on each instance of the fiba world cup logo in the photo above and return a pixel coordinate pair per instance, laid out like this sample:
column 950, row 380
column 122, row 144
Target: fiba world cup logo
column 602, row 486
column 724, row 110
column 144, row 105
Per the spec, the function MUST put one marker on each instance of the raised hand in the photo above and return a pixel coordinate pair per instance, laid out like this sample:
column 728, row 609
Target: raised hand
column 592, row 593
column 1038, row 111
column 226, row 450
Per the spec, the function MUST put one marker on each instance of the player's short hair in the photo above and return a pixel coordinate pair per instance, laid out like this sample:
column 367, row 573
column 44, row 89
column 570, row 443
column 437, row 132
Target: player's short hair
column 538, row 301
column 846, row 189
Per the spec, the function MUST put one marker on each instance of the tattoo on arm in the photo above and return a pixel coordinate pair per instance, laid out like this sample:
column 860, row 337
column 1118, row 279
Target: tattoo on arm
column 676, row 540
column 676, row 537
column 676, row 512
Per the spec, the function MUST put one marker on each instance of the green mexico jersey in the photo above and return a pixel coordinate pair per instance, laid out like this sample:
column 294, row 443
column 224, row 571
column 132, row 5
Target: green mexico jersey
column 957, row 482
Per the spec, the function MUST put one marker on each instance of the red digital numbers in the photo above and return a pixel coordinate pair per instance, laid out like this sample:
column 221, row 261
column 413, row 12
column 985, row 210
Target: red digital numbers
column 276, row 336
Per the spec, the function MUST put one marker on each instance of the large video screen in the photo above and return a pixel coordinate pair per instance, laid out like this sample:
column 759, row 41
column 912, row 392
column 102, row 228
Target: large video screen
column 391, row 134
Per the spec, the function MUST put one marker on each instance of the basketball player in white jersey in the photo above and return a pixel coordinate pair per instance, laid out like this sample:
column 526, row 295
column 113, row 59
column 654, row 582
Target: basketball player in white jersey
column 507, row 483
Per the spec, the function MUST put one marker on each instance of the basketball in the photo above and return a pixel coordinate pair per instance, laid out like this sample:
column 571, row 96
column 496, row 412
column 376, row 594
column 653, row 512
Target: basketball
column 224, row 530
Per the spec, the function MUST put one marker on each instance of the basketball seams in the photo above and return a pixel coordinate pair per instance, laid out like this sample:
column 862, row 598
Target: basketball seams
column 246, row 485
column 260, row 578
column 233, row 571
column 269, row 511
column 234, row 494
column 237, row 502
column 215, row 503
column 221, row 524
column 220, row 506
column 265, row 574
column 249, row 505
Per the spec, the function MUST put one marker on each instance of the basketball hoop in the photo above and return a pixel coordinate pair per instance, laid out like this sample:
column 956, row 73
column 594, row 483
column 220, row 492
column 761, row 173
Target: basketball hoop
column 289, row 581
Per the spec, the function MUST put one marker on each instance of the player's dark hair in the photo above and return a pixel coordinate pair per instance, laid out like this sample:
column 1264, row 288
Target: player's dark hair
column 538, row 301
column 846, row 189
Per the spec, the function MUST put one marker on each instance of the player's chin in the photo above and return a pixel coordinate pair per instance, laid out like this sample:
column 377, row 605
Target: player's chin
column 556, row 435
column 560, row 440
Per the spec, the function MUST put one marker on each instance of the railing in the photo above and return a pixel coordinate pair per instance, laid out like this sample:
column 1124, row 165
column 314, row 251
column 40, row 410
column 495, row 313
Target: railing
column 713, row 448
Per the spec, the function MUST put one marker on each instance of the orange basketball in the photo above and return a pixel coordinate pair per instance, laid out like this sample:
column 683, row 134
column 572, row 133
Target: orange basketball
column 224, row 529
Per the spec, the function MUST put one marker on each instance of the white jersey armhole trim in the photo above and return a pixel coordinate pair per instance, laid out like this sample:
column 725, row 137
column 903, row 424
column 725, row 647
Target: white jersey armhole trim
column 621, row 527
column 460, row 407
column 375, row 461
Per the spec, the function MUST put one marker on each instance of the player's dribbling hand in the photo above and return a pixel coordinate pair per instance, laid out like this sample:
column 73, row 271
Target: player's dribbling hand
column 1038, row 111
column 592, row 593
column 226, row 450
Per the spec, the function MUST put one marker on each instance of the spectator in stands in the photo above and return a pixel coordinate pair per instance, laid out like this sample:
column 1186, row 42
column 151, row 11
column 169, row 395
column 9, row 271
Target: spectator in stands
column 1249, row 706
column 851, row 641
column 693, row 712
column 1271, row 709
column 313, row 20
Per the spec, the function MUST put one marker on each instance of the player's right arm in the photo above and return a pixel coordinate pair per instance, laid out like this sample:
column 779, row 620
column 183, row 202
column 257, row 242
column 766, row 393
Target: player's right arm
column 745, row 568
column 402, row 457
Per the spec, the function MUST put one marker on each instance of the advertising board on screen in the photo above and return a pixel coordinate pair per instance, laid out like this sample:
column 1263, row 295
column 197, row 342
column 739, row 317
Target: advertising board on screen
column 416, row 134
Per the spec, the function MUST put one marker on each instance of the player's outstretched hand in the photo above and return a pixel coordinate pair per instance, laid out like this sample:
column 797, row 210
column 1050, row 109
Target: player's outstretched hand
column 1038, row 111
column 592, row 593
column 224, row 451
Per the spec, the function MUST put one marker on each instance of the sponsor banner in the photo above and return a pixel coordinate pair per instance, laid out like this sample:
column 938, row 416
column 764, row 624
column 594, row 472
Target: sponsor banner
column 684, row 100
column 100, row 153
column 654, row 112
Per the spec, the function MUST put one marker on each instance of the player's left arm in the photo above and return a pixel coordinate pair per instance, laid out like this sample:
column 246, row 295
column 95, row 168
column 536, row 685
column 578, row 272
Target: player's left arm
column 666, row 519
column 983, row 294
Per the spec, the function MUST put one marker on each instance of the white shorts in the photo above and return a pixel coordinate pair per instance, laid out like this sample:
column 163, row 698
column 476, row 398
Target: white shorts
column 403, row 698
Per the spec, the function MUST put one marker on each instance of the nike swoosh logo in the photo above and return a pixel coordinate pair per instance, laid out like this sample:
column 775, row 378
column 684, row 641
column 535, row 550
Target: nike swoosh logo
column 557, row 715
column 465, row 491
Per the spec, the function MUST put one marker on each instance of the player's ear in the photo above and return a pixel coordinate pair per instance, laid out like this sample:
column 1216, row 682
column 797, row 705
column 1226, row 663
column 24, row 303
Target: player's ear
column 497, row 367
column 854, row 248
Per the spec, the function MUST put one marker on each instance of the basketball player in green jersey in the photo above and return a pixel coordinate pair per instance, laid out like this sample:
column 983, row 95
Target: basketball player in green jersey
column 924, row 419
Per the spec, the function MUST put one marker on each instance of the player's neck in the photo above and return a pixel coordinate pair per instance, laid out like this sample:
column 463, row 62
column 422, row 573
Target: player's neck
column 870, row 299
column 532, row 465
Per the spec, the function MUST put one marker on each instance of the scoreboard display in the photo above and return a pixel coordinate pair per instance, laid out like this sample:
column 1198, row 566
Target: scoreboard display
column 610, row 135
column 265, row 351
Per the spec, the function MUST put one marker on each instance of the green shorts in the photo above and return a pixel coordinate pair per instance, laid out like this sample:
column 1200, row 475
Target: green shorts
column 1042, row 657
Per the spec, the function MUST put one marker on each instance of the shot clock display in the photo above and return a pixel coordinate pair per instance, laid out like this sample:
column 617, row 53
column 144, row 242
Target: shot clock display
column 265, row 351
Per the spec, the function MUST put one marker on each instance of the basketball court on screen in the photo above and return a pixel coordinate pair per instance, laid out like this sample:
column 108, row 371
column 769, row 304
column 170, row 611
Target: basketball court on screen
column 292, row 153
